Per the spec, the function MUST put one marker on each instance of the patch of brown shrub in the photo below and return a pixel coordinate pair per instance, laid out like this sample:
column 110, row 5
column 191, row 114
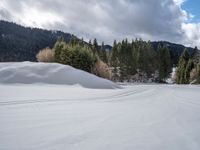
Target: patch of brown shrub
column 101, row 69
column 193, row 74
column 45, row 55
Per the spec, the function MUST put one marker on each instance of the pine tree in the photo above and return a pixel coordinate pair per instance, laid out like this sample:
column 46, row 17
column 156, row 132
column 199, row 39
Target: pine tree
column 185, row 55
column 195, row 51
column 102, row 45
column 114, row 61
column 114, row 55
column 150, row 57
column 103, row 54
column 198, row 72
column 82, row 42
column 182, row 73
column 134, row 58
column 141, row 61
column 95, row 47
column 164, row 63
column 188, row 70
column 58, row 47
column 90, row 42
column 74, row 40
column 122, row 59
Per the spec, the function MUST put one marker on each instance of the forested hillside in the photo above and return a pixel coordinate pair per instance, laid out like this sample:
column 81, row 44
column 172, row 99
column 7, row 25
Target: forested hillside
column 18, row 43
column 175, row 49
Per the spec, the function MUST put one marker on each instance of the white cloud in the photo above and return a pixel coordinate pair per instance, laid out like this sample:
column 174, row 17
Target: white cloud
column 191, row 34
column 107, row 19
column 32, row 17
column 179, row 2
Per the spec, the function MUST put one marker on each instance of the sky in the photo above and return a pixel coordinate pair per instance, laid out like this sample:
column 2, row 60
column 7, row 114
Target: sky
column 176, row 21
column 193, row 8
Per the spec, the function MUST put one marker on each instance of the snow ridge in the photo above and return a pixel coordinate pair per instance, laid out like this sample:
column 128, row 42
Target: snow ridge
column 50, row 73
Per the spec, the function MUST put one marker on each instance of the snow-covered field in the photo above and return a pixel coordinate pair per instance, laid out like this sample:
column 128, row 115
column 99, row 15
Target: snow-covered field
column 72, row 117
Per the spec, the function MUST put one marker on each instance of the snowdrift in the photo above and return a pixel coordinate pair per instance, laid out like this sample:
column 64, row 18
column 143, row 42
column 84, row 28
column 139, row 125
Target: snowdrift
column 50, row 73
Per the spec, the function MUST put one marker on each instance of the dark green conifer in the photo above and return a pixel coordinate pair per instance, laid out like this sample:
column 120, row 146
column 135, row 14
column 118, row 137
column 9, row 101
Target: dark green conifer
column 164, row 64
column 182, row 73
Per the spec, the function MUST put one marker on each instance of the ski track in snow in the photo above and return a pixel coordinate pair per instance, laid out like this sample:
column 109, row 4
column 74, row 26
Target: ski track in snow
column 141, row 117
column 110, row 97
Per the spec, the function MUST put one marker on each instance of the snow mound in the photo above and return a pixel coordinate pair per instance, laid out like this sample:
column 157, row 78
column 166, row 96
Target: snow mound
column 50, row 73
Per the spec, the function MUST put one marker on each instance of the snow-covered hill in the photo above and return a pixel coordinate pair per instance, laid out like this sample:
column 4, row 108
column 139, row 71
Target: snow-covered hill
column 50, row 73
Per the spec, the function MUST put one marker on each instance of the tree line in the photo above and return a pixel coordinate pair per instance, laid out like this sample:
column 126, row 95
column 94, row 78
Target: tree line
column 128, row 61
column 139, row 58
column 79, row 54
column 188, row 69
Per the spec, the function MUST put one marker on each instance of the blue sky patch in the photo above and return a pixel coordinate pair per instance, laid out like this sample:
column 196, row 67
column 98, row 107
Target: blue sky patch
column 193, row 8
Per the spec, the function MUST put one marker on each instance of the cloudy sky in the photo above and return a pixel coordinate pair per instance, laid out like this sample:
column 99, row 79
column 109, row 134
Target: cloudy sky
column 171, row 20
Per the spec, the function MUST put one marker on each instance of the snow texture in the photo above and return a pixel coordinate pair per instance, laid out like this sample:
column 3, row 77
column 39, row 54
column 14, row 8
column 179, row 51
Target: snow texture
column 50, row 73
column 136, row 117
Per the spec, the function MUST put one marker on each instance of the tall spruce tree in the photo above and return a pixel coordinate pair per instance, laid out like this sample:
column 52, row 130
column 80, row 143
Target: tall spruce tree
column 95, row 47
column 114, row 60
column 123, row 59
column 134, row 58
column 198, row 72
column 114, row 55
column 182, row 70
column 164, row 64
column 188, row 69
column 90, row 42
column 58, row 47
column 74, row 40
column 103, row 54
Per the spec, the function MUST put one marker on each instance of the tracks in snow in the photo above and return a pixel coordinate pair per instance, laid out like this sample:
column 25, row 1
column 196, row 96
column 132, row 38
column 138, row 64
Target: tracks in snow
column 104, row 98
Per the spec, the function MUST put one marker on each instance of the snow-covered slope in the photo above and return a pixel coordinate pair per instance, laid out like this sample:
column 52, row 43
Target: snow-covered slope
column 60, row 117
column 51, row 73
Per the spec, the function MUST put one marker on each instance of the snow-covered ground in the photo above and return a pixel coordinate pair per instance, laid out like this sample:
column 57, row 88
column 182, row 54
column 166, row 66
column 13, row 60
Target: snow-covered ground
column 72, row 117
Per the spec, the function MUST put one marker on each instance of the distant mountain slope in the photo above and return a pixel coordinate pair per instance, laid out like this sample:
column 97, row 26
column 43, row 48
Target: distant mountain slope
column 175, row 49
column 18, row 43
